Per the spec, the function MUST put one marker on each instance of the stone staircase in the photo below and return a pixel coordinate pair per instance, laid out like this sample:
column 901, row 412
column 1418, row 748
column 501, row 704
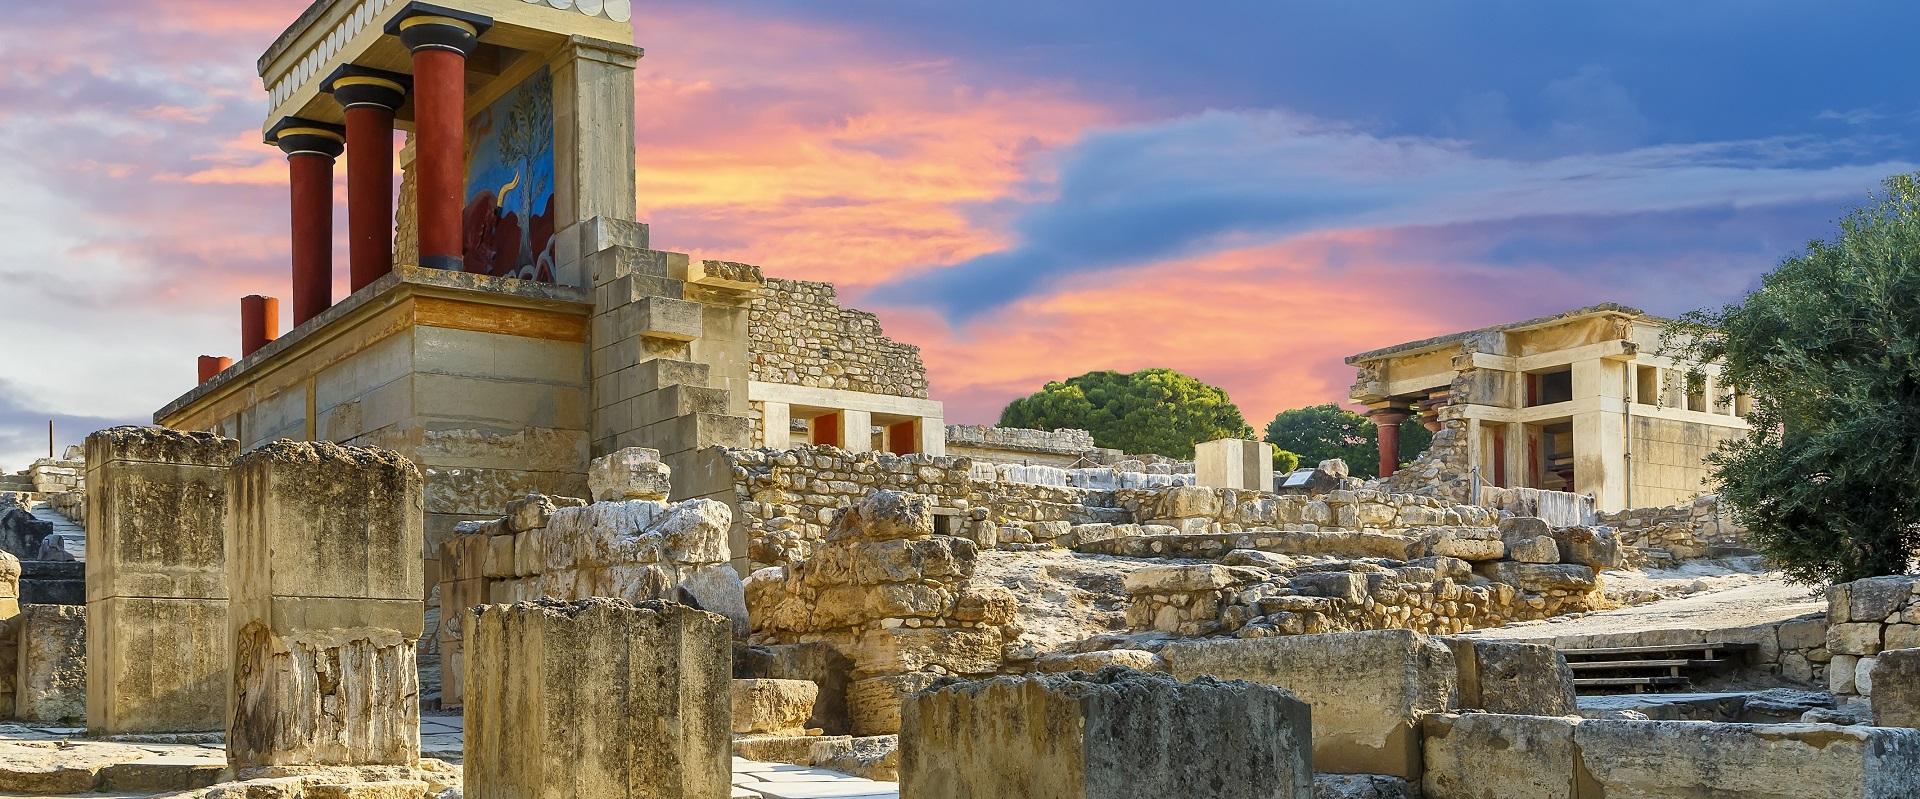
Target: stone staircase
column 73, row 535
column 1640, row 669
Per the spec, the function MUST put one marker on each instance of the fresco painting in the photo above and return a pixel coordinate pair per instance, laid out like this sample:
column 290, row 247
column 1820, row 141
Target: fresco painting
column 508, row 222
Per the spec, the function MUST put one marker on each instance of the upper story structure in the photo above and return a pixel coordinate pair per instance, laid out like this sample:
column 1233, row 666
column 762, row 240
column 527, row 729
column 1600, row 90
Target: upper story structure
column 506, row 317
column 1579, row 402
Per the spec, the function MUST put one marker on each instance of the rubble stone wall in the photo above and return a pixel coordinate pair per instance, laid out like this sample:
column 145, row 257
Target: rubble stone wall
column 893, row 597
column 1061, row 448
column 803, row 337
column 1692, row 530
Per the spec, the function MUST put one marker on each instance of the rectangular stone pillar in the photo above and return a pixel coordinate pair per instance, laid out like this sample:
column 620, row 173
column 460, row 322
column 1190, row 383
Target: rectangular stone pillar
column 776, row 425
column 157, row 580
column 856, row 431
column 598, row 697
column 325, row 576
column 1234, row 463
column 1117, row 735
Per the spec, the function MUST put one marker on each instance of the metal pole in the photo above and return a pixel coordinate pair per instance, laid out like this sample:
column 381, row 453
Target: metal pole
column 49, row 439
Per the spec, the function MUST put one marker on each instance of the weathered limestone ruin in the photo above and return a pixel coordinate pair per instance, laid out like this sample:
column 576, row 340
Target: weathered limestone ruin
column 539, row 510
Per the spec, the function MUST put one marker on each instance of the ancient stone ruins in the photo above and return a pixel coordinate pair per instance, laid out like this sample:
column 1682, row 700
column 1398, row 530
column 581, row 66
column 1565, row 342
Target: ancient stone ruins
column 540, row 511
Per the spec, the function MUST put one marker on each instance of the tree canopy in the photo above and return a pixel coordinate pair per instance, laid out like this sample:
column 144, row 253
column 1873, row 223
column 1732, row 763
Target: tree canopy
column 1157, row 411
column 1325, row 432
column 1827, row 350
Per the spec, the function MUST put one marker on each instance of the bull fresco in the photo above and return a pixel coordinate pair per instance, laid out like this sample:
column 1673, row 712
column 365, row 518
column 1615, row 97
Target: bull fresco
column 508, row 222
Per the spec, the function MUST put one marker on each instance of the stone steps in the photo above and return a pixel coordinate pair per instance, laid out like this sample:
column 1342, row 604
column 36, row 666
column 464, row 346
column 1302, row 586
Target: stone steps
column 73, row 534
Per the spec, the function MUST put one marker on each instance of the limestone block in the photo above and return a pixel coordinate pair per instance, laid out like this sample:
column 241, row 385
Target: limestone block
column 1900, row 636
column 958, row 650
column 873, row 705
column 1520, row 528
column 695, row 532
column 1896, row 696
column 1178, row 579
column 325, row 697
column 351, row 518
column 1878, row 598
column 1185, row 502
column 498, row 562
column 1516, row 678
column 884, row 515
column 598, row 697
column 1482, row 755
column 1594, row 547
column 818, row 663
column 1107, row 736
column 1540, row 577
column 1863, row 676
column 51, row 684
column 325, row 580
column 1773, row 761
column 1234, row 463
column 1367, row 689
column 157, row 520
column 1854, row 638
column 157, row 665
column 1138, row 659
column 773, row 707
column 530, row 512
column 875, row 757
column 1840, row 672
column 630, row 473
column 667, row 318
column 1541, row 549
column 718, row 589
column 1467, row 549
column 725, row 275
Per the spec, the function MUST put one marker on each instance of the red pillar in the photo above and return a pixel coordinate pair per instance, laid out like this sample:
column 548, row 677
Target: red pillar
column 1388, row 421
column 370, row 98
column 259, row 322
column 311, row 148
column 211, row 366
column 441, row 40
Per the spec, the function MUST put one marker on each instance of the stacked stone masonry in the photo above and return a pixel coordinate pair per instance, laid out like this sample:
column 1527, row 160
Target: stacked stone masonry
column 635, row 550
column 892, row 597
column 1864, row 619
column 1679, row 532
column 803, row 337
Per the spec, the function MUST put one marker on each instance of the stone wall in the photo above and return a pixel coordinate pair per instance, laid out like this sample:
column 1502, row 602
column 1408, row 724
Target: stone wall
column 1196, row 510
column 636, row 550
column 1696, row 529
column 1061, row 448
column 1866, row 617
column 803, row 337
column 786, row 500
column 1444, row 471
column 893, row 597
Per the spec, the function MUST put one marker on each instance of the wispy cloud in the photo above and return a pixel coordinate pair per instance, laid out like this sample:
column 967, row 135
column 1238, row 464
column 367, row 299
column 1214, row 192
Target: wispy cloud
column 1134, row 195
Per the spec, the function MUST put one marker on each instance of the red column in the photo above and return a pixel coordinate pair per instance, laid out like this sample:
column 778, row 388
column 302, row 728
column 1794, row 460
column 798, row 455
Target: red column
column 1388, row 421
column 311, row 148
column 211, row 366
column 259, row 322
column 440, row 40
column 370, row 97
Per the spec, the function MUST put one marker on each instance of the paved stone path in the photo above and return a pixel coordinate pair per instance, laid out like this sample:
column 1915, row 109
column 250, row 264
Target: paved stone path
column 440, row 737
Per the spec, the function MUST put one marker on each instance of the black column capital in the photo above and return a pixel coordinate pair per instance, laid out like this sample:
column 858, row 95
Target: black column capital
column 297, row 136
column 356, row 86
column 424, row 26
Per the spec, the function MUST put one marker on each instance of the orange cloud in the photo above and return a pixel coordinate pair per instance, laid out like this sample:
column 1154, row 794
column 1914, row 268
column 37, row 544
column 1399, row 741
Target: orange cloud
column 1270, row 323
column 814, row 156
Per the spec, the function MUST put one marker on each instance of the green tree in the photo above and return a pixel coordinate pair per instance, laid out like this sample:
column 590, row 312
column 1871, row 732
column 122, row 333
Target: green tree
column 1158, row 411
column 1284, row 461
column 1827, row 350
column 1325, row 432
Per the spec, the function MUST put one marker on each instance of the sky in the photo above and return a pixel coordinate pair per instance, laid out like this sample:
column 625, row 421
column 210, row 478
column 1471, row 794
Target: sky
column 1244, row 191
